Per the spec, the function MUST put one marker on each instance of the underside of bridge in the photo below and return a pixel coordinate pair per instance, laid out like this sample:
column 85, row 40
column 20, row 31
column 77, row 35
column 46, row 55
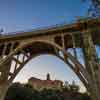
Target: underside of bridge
column 17, row 49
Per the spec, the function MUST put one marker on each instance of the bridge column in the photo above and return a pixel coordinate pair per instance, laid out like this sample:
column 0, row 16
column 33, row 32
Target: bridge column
column 3, row 90
column 92, row 65
column 4, row 84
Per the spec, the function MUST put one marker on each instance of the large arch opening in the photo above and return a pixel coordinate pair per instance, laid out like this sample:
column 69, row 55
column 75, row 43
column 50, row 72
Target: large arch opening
column 41, row 65
column 37, row 48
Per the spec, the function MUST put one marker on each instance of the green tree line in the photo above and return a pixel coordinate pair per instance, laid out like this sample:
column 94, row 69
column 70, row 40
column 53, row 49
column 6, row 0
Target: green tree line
column 19, row 91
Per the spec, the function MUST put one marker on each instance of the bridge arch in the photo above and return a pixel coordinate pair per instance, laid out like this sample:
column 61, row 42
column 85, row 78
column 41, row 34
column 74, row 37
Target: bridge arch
column 45, row 47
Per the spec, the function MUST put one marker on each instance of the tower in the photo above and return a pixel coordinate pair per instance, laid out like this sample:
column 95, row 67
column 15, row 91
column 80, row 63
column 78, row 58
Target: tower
column 48, row 76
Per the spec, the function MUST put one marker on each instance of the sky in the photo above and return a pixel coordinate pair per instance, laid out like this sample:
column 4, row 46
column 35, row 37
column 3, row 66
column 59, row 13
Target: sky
column 24, row 15
column 19, row 15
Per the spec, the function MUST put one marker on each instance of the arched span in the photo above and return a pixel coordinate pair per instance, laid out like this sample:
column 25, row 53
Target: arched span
column 21, row 67
column 41, row 47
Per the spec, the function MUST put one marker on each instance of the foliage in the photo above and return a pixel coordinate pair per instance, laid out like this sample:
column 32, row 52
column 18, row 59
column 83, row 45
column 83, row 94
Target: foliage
column 19, row 91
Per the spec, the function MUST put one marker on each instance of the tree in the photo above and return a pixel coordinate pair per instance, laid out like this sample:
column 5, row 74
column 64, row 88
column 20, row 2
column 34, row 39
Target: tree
column 18, row 92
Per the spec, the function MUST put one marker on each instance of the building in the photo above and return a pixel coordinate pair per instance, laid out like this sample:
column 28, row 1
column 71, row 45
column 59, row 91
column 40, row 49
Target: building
column 39, row 84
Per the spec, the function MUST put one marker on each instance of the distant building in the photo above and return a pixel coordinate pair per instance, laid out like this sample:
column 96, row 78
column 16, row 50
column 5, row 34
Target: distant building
column 39, row 84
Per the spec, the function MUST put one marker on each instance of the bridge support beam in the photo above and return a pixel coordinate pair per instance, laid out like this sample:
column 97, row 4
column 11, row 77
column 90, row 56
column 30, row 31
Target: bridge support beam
column 92, row 65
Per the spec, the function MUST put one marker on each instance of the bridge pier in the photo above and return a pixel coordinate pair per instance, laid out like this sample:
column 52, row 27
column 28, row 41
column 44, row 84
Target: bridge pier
column 92, row 65
column 3, row 90
column 4, row 77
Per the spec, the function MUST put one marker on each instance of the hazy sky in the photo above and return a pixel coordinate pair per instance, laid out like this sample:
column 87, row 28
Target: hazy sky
column 21, row 15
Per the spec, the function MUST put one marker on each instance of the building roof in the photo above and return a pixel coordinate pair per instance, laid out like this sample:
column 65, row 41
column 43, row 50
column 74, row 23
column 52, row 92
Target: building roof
column 36, row 80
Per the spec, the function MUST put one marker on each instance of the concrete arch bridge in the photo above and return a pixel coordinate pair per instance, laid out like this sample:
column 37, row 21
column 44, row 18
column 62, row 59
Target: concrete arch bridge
column 82, row 34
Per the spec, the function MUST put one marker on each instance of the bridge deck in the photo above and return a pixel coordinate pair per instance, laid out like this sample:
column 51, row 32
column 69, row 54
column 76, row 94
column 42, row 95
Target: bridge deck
column 75, row 28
